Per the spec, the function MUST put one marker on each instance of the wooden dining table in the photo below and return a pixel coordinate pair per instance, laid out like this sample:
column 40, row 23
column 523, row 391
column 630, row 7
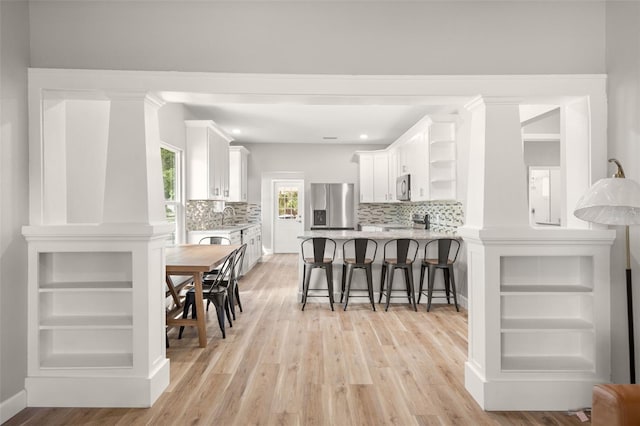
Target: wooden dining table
column 193, row 260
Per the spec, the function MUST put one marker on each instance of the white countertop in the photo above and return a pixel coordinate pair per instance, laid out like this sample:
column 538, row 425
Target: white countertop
column 228, row 228
column 417, row 234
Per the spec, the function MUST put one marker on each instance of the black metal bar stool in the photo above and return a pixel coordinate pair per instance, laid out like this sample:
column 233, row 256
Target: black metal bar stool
column 440, row 253
column 357, row 253
column 317, row 252
column 405, row 251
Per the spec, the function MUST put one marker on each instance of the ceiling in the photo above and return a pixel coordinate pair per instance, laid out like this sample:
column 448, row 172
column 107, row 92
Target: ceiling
column 322, row 121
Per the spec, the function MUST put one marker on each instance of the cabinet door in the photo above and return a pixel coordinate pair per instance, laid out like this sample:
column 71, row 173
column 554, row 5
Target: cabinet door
column 366, row 178
column 380, row 178
column 197, row 153
column 237, row 175
column 393, row 174
column 420, row 167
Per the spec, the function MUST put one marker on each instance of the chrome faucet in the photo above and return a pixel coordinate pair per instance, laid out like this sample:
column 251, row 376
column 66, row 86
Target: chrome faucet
column 233, row 213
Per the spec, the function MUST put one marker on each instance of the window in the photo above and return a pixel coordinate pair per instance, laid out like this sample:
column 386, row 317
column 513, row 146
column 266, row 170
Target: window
column 172, row 178
column 288, row 203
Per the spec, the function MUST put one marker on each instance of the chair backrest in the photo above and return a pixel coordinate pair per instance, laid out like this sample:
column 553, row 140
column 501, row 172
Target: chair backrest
column 215, row 240
column 405, row 249
column 318, row 249
column 237, row 266
column 220, row 279
column 445, row 250
column 360, row 249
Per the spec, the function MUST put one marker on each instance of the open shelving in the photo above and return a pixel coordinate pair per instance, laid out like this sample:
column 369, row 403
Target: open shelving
column 546, row 313
column 442, row 161
column 85, row 310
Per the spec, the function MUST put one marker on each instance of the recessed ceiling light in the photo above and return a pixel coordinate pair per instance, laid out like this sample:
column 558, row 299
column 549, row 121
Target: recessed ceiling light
column 236, row 131
column 364, row 136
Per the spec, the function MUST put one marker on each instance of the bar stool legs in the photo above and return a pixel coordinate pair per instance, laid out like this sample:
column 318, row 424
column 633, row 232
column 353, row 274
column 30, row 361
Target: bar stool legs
column 449, row 284
column 348, row 270
column 408, row 276
column 307, row 279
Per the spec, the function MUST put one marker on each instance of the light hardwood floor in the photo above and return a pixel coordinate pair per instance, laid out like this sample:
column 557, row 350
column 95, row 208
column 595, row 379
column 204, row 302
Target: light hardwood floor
column 281, row 366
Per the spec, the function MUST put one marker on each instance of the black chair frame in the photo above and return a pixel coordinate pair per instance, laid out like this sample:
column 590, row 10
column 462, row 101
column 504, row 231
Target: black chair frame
column 214, row 291
column 359, row 247
column 406, row 253
column 444, row 262
column 317, row 259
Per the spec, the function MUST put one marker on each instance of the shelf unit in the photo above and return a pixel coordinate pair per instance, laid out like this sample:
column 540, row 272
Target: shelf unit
column 85, row 310
column 546, row 314
column 442, row 161
column 96, row 335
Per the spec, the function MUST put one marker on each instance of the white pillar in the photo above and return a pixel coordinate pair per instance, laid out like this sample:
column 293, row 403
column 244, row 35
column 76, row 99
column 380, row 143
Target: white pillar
column 497, row 193
column 133, row 187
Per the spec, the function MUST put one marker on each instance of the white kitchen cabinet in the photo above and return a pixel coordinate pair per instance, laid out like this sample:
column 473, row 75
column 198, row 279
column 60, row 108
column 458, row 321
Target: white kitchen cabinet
column 238, row 173
column 376, row 184
column 207, row 157
column 252, row 237
column 366, row 177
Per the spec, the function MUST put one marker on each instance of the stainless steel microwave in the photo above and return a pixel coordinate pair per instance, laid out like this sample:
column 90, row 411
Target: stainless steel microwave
column 403, row 188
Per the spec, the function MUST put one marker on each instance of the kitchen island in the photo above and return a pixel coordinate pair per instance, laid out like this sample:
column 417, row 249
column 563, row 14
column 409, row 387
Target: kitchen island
column 318, row 283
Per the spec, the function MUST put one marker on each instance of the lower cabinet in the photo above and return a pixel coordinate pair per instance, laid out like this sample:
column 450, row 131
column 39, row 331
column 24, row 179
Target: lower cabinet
column 252, row 236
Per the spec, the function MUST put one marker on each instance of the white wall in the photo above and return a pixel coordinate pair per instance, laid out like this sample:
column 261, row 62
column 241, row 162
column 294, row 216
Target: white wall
column 172, row 129
column 14, row 57
column 623, row 67
column 321, row 37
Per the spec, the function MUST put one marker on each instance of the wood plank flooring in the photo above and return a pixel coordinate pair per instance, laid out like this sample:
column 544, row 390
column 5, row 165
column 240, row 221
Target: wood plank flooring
column 281, row 366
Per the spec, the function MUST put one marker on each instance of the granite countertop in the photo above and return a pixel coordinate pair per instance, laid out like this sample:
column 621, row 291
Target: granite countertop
column 228, row 228
column 417, row 234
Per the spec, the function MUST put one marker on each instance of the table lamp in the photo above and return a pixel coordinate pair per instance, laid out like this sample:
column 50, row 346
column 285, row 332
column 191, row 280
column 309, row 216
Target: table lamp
column 615, row 201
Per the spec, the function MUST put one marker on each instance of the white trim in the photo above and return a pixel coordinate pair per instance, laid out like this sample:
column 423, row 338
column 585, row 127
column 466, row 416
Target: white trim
column 13, row 405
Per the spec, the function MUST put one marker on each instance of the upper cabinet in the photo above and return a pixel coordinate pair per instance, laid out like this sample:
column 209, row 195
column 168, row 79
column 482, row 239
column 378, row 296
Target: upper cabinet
column 207, row 161
column 426, row 152
column 238, row 173
column 377, row 176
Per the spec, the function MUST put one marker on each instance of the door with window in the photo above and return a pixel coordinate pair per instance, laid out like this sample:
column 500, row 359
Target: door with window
column 288, row 215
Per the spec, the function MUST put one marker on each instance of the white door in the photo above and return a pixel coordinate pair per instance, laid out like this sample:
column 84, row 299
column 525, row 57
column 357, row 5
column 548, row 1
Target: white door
column 288, row 196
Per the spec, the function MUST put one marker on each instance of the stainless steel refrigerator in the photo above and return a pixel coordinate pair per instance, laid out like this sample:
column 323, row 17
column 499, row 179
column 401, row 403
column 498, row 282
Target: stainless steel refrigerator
column 332, row 205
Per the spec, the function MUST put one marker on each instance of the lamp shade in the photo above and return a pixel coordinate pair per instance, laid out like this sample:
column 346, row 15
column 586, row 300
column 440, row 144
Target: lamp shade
column 611, row 201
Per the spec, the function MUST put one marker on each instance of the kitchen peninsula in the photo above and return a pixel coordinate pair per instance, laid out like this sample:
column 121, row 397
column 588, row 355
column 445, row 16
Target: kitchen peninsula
column 318, row 281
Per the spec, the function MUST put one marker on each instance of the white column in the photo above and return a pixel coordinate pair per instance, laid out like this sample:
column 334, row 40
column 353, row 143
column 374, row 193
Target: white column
column 133, row 187
column 497, row 193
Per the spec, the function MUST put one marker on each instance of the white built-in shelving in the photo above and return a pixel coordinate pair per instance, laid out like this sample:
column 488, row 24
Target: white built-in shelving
column 85, row 310
column 546, row 313
column 442, row 161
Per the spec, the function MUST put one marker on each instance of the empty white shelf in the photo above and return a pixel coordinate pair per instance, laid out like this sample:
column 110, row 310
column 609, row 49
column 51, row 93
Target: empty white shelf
column 87, row 322
column 545, row 324
column 87, row 286
column 546, row 363
column 88, row 360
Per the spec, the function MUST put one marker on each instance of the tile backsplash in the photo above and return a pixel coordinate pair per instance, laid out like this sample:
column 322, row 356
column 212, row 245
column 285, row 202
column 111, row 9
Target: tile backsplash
column 200, row 214
column 446, row 216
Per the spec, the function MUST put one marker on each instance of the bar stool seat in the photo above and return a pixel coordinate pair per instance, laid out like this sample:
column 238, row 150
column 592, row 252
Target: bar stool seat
column 406, row 250
column 317, row 252
column 447, row 253
column 358, row 253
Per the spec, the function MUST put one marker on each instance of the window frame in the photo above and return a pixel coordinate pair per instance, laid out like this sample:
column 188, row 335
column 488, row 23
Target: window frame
column 178, row 203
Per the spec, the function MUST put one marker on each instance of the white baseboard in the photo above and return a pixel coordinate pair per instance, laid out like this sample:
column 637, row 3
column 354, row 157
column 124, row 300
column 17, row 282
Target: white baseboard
column 12, row 406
